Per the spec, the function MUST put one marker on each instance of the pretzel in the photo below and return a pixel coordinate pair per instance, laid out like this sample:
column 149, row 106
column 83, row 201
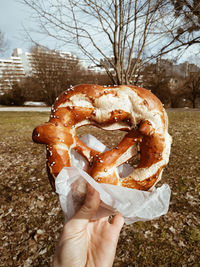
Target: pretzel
column 128, row 108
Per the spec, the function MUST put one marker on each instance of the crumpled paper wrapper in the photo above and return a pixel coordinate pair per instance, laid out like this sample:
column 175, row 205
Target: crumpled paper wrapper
column 134, row 205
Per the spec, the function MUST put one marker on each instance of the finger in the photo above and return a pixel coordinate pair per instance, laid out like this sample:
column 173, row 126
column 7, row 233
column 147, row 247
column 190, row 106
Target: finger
column 104, row 219
column 90, row 206
column 118, row 221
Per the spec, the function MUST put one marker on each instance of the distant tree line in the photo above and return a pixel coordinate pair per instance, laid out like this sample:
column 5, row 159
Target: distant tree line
column 173, row 90
column 52, row 73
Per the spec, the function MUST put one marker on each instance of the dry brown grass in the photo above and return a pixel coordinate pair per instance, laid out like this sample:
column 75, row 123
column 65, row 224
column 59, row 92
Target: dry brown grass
column 31, row 219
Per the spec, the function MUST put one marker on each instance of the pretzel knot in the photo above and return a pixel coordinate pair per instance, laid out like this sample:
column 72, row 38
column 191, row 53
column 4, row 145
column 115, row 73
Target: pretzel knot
column 128, row 108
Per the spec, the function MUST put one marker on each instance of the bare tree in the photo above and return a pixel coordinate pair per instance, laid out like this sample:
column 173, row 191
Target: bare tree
column 124, row 33
column 183, row 27
column 192, row 86
column 53, row 71
column 158, row 82
column 189, row 10
column 115, row 30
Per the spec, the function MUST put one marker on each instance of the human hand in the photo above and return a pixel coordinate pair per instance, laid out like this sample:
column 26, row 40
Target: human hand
column 87, row 242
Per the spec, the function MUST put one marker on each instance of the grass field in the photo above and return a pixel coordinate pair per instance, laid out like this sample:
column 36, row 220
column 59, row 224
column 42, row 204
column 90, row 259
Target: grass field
column 31, row 219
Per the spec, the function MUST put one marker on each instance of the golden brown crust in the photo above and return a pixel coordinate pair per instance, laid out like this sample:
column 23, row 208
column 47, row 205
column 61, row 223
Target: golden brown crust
column 144, row 185
column 150, row 100
column 129, row 108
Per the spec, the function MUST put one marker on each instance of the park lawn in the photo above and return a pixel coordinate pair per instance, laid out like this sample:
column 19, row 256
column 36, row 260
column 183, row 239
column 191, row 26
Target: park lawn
column 31, row 218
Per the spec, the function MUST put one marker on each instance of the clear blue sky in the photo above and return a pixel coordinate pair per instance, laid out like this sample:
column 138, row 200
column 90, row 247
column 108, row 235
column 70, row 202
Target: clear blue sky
column 13, row 15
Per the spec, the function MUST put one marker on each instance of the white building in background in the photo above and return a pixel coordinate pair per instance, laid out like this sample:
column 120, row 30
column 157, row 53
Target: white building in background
column 20, row 65
column 11, row 70
column 96, row 69
column 28, row 59
column 18, row 52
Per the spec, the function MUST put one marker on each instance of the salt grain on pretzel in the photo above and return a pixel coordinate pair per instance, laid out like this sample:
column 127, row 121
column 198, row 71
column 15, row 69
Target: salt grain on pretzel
column 128, row 108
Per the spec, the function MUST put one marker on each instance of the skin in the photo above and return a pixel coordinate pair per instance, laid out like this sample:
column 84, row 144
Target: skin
column 87, row 242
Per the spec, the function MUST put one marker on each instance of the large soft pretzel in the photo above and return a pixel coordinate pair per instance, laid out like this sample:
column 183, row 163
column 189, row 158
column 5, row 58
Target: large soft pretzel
column 129, row 108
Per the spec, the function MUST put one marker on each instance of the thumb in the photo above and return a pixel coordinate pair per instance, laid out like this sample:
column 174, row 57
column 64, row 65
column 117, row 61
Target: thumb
column 90, row 206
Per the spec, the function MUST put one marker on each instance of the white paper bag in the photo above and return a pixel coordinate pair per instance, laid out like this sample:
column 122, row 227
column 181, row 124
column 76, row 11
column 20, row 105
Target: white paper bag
column 134, row 205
